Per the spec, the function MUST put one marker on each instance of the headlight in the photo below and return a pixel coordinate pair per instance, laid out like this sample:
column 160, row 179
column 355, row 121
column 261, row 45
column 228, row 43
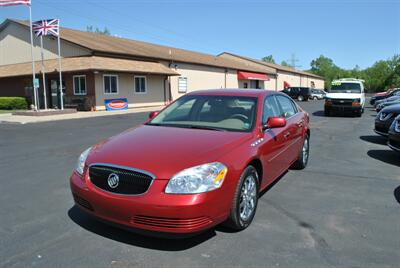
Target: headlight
column 384, row 116
column 198, row 179
column 357, row 100
column 80, row 165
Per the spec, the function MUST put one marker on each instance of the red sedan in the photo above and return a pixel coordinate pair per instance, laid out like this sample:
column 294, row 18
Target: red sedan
column 201, row 161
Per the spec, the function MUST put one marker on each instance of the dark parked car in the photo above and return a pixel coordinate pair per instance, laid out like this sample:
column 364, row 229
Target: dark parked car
column 385, row 118
column 394, row 135
column 298, row 93
column 383, row 95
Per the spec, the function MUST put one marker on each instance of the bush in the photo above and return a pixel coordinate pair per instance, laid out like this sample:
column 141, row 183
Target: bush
column 13, row 103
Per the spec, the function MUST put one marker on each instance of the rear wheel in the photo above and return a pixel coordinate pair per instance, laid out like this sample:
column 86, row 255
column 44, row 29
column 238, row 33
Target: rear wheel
column 245, row 201
column 300, row 98
column 302, row 161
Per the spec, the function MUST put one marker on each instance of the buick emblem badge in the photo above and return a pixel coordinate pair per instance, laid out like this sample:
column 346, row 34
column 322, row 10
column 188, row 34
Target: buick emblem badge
column 113, row 180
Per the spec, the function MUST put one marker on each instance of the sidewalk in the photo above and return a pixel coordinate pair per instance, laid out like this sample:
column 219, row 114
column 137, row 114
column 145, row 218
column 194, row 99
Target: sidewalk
column 19, row 119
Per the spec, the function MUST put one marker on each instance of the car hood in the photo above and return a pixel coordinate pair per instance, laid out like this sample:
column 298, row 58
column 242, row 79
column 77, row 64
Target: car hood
column 164, row 151
column 380, row 94
column 392, row 109
column 343, row 95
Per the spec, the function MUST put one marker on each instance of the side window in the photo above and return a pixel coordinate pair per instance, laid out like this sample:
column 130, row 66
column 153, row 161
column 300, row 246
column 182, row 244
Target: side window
column 287, row 106
column 270, row 109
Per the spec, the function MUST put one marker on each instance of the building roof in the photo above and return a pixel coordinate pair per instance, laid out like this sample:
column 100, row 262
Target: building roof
column 138, row 49
column 272, row 65
column 93, row 63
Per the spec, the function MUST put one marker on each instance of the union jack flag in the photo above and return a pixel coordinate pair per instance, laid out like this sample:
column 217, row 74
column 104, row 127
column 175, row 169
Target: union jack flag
column 14, row 2
column 46, row 27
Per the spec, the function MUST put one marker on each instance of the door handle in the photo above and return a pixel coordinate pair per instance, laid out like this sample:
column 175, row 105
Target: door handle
column 286, row 135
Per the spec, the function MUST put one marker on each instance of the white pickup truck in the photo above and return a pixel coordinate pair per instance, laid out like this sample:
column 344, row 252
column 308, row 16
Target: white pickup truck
column 346, row 95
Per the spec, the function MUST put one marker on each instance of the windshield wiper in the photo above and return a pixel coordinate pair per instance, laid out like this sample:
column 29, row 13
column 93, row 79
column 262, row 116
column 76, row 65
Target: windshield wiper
column 203, row 127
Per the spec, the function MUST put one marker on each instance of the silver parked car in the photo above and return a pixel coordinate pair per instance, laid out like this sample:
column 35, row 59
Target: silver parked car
column 317, row 94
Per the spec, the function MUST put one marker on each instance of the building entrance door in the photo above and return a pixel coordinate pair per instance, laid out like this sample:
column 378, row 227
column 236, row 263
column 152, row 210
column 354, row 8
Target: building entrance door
column 55, row 94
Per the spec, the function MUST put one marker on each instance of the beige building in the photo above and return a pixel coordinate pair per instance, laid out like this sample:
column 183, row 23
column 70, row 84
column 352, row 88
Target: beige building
column 285, row 76
column 98, row 68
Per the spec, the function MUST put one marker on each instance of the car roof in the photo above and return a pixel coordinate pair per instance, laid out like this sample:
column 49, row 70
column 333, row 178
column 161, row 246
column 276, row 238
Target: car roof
column 234, row 92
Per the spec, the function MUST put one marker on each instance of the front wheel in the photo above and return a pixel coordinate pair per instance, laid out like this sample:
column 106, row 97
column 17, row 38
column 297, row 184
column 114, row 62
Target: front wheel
column 245, row 201
column 304, row 154
column 300, row 98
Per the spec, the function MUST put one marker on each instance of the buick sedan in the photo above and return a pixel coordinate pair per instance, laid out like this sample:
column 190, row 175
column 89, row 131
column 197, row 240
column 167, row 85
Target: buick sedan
column 200, row 162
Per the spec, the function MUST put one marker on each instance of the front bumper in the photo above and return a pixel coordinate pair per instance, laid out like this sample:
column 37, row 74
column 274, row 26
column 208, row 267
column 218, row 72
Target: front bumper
column 154, row 211
column 394, row 141
column 382, row 127
column 343, row 109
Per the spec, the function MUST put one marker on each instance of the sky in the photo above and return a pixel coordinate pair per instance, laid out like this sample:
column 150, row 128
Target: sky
column 353, row 32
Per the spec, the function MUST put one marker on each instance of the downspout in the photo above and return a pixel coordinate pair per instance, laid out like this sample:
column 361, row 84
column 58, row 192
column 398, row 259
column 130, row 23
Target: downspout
column 226, row 73
column 165, row 89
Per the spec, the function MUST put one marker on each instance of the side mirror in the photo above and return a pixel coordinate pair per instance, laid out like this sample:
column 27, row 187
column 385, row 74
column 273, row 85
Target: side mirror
column 153, row 114
column 275, row 122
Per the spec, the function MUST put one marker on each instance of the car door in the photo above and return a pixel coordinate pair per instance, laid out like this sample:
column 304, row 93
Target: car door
column 294, row 126
column 274, row 145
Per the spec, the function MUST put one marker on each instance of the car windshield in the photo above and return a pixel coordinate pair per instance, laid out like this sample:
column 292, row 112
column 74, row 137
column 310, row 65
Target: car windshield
column 223, row 113
column 343, row 87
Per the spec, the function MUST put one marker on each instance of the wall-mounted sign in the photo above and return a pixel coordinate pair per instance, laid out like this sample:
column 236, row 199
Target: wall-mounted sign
column 36, row 83
column 116, row 104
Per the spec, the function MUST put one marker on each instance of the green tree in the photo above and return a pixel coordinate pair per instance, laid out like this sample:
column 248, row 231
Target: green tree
column 268, row 58
column 284, row 63
column 105, row 31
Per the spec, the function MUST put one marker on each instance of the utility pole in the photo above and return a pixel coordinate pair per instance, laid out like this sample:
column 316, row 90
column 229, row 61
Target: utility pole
column 293, row 61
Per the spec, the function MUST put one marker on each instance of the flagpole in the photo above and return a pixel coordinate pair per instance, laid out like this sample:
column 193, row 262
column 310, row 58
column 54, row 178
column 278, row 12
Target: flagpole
column 33, row 61
column 59, row 67
column 43, row 73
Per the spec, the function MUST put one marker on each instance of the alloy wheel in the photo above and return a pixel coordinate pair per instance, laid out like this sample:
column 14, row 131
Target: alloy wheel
column 248, row 198
column 305, row 151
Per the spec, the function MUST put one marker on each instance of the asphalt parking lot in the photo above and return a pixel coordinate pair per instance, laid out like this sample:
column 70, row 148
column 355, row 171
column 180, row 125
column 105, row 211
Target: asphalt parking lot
column 343, row 210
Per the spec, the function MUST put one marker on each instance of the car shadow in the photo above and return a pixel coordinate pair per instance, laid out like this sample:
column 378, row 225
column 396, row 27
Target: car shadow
column 396, row 194
column 130, row 237
column 388, row 156
column 376, row 139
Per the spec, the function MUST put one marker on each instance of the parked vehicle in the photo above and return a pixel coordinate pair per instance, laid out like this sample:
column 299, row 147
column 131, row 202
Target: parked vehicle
column 383, row 95
column 385, row 118
column 201, row 161
column 394, row 135
column 389, row 99
column 317, row 94
column 298, row 93
column 346, row 96
column 387, row 104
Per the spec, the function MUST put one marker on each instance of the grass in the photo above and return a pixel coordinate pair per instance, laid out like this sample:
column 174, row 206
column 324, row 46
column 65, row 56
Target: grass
column 8, row 111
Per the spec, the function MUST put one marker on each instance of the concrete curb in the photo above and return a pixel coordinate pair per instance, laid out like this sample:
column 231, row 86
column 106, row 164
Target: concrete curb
column 21, row 120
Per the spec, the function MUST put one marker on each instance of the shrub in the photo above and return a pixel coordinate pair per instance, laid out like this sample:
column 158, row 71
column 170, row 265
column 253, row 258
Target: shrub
column 13, row 103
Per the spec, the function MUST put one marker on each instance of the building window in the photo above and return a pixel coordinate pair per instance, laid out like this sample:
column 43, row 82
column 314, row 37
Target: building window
column 79, row 84
column 140, row 85
column 110, row 84
column 182, row 84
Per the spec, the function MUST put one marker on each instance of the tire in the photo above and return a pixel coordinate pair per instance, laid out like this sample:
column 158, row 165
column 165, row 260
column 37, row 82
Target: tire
column 327, row 113
column 304, row 154
column 315, row 98
column 300, row 98
column 239, row 219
